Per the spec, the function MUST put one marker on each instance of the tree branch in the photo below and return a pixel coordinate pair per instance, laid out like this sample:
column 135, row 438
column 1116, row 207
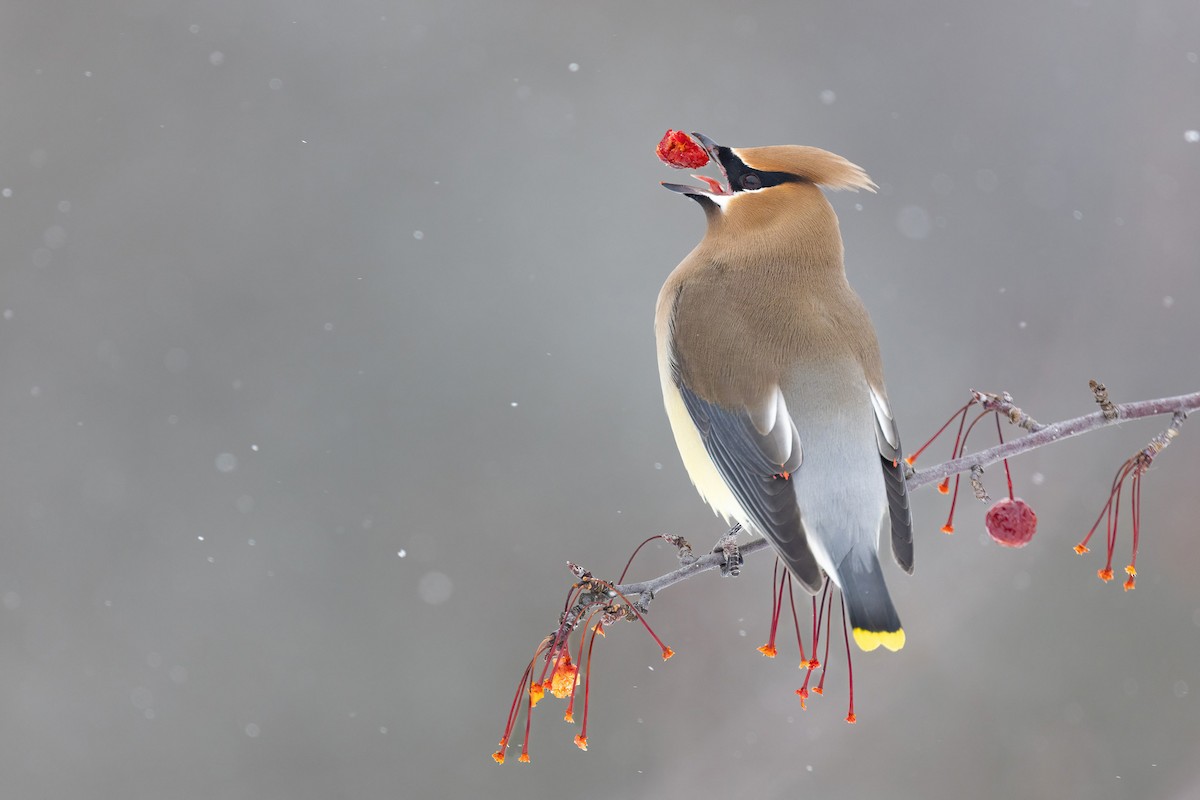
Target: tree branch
column 1046, row 434
column 647, row 589
column 1039, row 436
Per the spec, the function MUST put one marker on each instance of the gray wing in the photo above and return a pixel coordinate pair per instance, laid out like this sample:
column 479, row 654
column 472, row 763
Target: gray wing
column 756, row 453
column 892, row 458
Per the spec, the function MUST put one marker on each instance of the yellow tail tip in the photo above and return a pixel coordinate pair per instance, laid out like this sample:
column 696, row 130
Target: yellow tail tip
column 870, row 640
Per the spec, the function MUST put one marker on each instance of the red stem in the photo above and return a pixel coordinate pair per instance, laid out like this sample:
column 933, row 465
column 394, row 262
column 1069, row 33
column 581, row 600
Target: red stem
column 796, row 619
column 962, row 411
column 587, row 685
column 849, row 663
column 1136, row 508
column 633, row 555
column 820, row 687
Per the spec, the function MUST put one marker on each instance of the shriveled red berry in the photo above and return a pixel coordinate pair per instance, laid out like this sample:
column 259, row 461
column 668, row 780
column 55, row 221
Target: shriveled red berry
column 1011, row 522
column 679, row 151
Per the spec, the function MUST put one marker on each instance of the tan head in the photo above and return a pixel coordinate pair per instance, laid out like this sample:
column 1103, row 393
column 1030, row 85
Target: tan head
column 770, row 199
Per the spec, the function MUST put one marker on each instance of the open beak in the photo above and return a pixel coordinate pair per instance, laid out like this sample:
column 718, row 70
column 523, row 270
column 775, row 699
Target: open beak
column 715, row 187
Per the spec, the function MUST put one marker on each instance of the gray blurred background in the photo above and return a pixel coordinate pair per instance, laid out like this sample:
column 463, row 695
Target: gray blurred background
column 326, row 341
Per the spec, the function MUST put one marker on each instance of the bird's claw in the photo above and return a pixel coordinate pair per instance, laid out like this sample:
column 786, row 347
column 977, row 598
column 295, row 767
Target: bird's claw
column 727, row 546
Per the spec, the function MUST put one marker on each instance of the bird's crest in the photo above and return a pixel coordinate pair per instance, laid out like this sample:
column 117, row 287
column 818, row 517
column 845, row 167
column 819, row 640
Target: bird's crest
column 810, row 163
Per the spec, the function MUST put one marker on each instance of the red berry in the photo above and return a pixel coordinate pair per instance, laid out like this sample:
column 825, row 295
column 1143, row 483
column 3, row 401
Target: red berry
column 679, row 151
column 1012, row 523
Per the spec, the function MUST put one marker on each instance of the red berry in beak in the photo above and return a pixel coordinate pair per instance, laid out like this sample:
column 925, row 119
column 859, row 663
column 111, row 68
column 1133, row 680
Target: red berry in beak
column 678, row 150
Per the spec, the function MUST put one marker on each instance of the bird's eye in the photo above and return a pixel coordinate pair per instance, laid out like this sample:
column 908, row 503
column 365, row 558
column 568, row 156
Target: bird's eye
column 750, row 181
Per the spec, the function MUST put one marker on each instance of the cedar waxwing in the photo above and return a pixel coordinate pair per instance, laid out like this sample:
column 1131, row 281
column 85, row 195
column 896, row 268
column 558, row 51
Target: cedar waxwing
column 773, row 382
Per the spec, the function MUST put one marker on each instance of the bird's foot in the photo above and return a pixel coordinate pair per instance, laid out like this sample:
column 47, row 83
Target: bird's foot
column 727, row 546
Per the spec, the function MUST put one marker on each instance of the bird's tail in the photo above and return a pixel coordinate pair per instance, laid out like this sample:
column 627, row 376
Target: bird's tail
column 872, row 615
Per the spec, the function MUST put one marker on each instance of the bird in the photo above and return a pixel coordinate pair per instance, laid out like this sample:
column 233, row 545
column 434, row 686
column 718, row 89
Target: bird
column 773, row 381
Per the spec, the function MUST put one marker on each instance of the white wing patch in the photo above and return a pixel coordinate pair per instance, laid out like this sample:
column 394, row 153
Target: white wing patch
column 883, row 414
column 772, row 420
column 764, row 418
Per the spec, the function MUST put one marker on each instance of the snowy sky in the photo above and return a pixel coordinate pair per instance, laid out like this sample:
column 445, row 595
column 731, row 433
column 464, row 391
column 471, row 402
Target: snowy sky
column 326, row 341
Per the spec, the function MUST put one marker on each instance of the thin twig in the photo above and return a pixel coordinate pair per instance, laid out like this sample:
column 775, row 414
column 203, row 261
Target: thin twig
column 1004, row 404
column 1184, row 403
column 702, row 564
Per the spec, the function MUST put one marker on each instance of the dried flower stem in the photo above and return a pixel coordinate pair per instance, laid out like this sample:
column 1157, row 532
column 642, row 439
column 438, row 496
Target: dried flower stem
column 1106, row 406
